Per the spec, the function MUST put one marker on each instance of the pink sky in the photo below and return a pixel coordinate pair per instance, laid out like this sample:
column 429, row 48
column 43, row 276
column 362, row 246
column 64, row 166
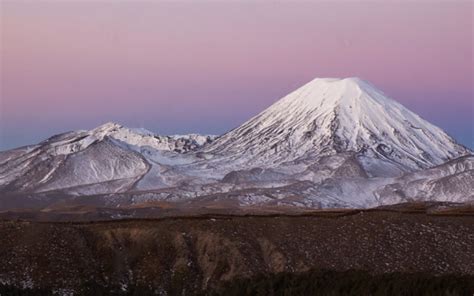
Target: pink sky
column 207, row 67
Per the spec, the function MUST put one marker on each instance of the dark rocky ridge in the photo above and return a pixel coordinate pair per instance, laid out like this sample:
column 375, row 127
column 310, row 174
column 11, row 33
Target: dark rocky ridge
column 191, row 254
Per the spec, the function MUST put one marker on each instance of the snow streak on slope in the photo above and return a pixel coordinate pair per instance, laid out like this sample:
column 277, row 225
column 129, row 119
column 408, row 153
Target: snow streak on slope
column 334, row 115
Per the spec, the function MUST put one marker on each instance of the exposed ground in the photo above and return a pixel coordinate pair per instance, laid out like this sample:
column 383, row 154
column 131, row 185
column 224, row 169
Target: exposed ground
column 191, row 254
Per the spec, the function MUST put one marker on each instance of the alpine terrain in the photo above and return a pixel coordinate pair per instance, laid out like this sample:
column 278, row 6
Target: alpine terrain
column 330, row 143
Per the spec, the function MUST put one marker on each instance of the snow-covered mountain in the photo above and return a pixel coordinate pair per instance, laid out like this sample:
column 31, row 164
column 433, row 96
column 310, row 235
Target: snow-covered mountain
column 330, row 143
column 109, row 158
column 327, row 116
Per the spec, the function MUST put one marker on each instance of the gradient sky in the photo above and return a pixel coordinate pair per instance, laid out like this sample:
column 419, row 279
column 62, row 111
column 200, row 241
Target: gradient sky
column 207, row 67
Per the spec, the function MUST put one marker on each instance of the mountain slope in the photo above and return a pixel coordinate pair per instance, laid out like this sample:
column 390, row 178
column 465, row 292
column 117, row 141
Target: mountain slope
column 451, row 181
column 328, row 116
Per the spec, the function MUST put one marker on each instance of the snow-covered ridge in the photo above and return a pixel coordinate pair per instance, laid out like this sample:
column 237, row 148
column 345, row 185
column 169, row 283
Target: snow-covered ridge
column 107, row 153
column 139, row 137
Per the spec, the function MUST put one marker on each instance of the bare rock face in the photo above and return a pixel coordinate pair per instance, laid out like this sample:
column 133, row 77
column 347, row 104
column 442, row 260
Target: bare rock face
column 330, row 143
column 253, row 175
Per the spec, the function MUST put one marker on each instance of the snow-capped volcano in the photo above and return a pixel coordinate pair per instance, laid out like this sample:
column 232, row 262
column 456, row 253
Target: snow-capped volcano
column 330, row 143
column 329, row 115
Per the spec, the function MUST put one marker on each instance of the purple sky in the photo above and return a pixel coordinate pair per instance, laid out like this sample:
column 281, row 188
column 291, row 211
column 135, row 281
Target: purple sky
column 207, row 67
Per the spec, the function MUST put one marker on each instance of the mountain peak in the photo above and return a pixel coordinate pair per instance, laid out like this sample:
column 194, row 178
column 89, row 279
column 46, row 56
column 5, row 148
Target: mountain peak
column 331, row 115
column 347, row 82
column 106, row 128
column 354, row 80
column 327, row 94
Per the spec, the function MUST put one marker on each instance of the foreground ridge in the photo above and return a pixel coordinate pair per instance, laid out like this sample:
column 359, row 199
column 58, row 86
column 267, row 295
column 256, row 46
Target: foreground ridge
column 198, row 255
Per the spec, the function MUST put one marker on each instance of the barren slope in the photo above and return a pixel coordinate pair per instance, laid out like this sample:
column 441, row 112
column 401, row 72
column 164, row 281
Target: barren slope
column 190, row 254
